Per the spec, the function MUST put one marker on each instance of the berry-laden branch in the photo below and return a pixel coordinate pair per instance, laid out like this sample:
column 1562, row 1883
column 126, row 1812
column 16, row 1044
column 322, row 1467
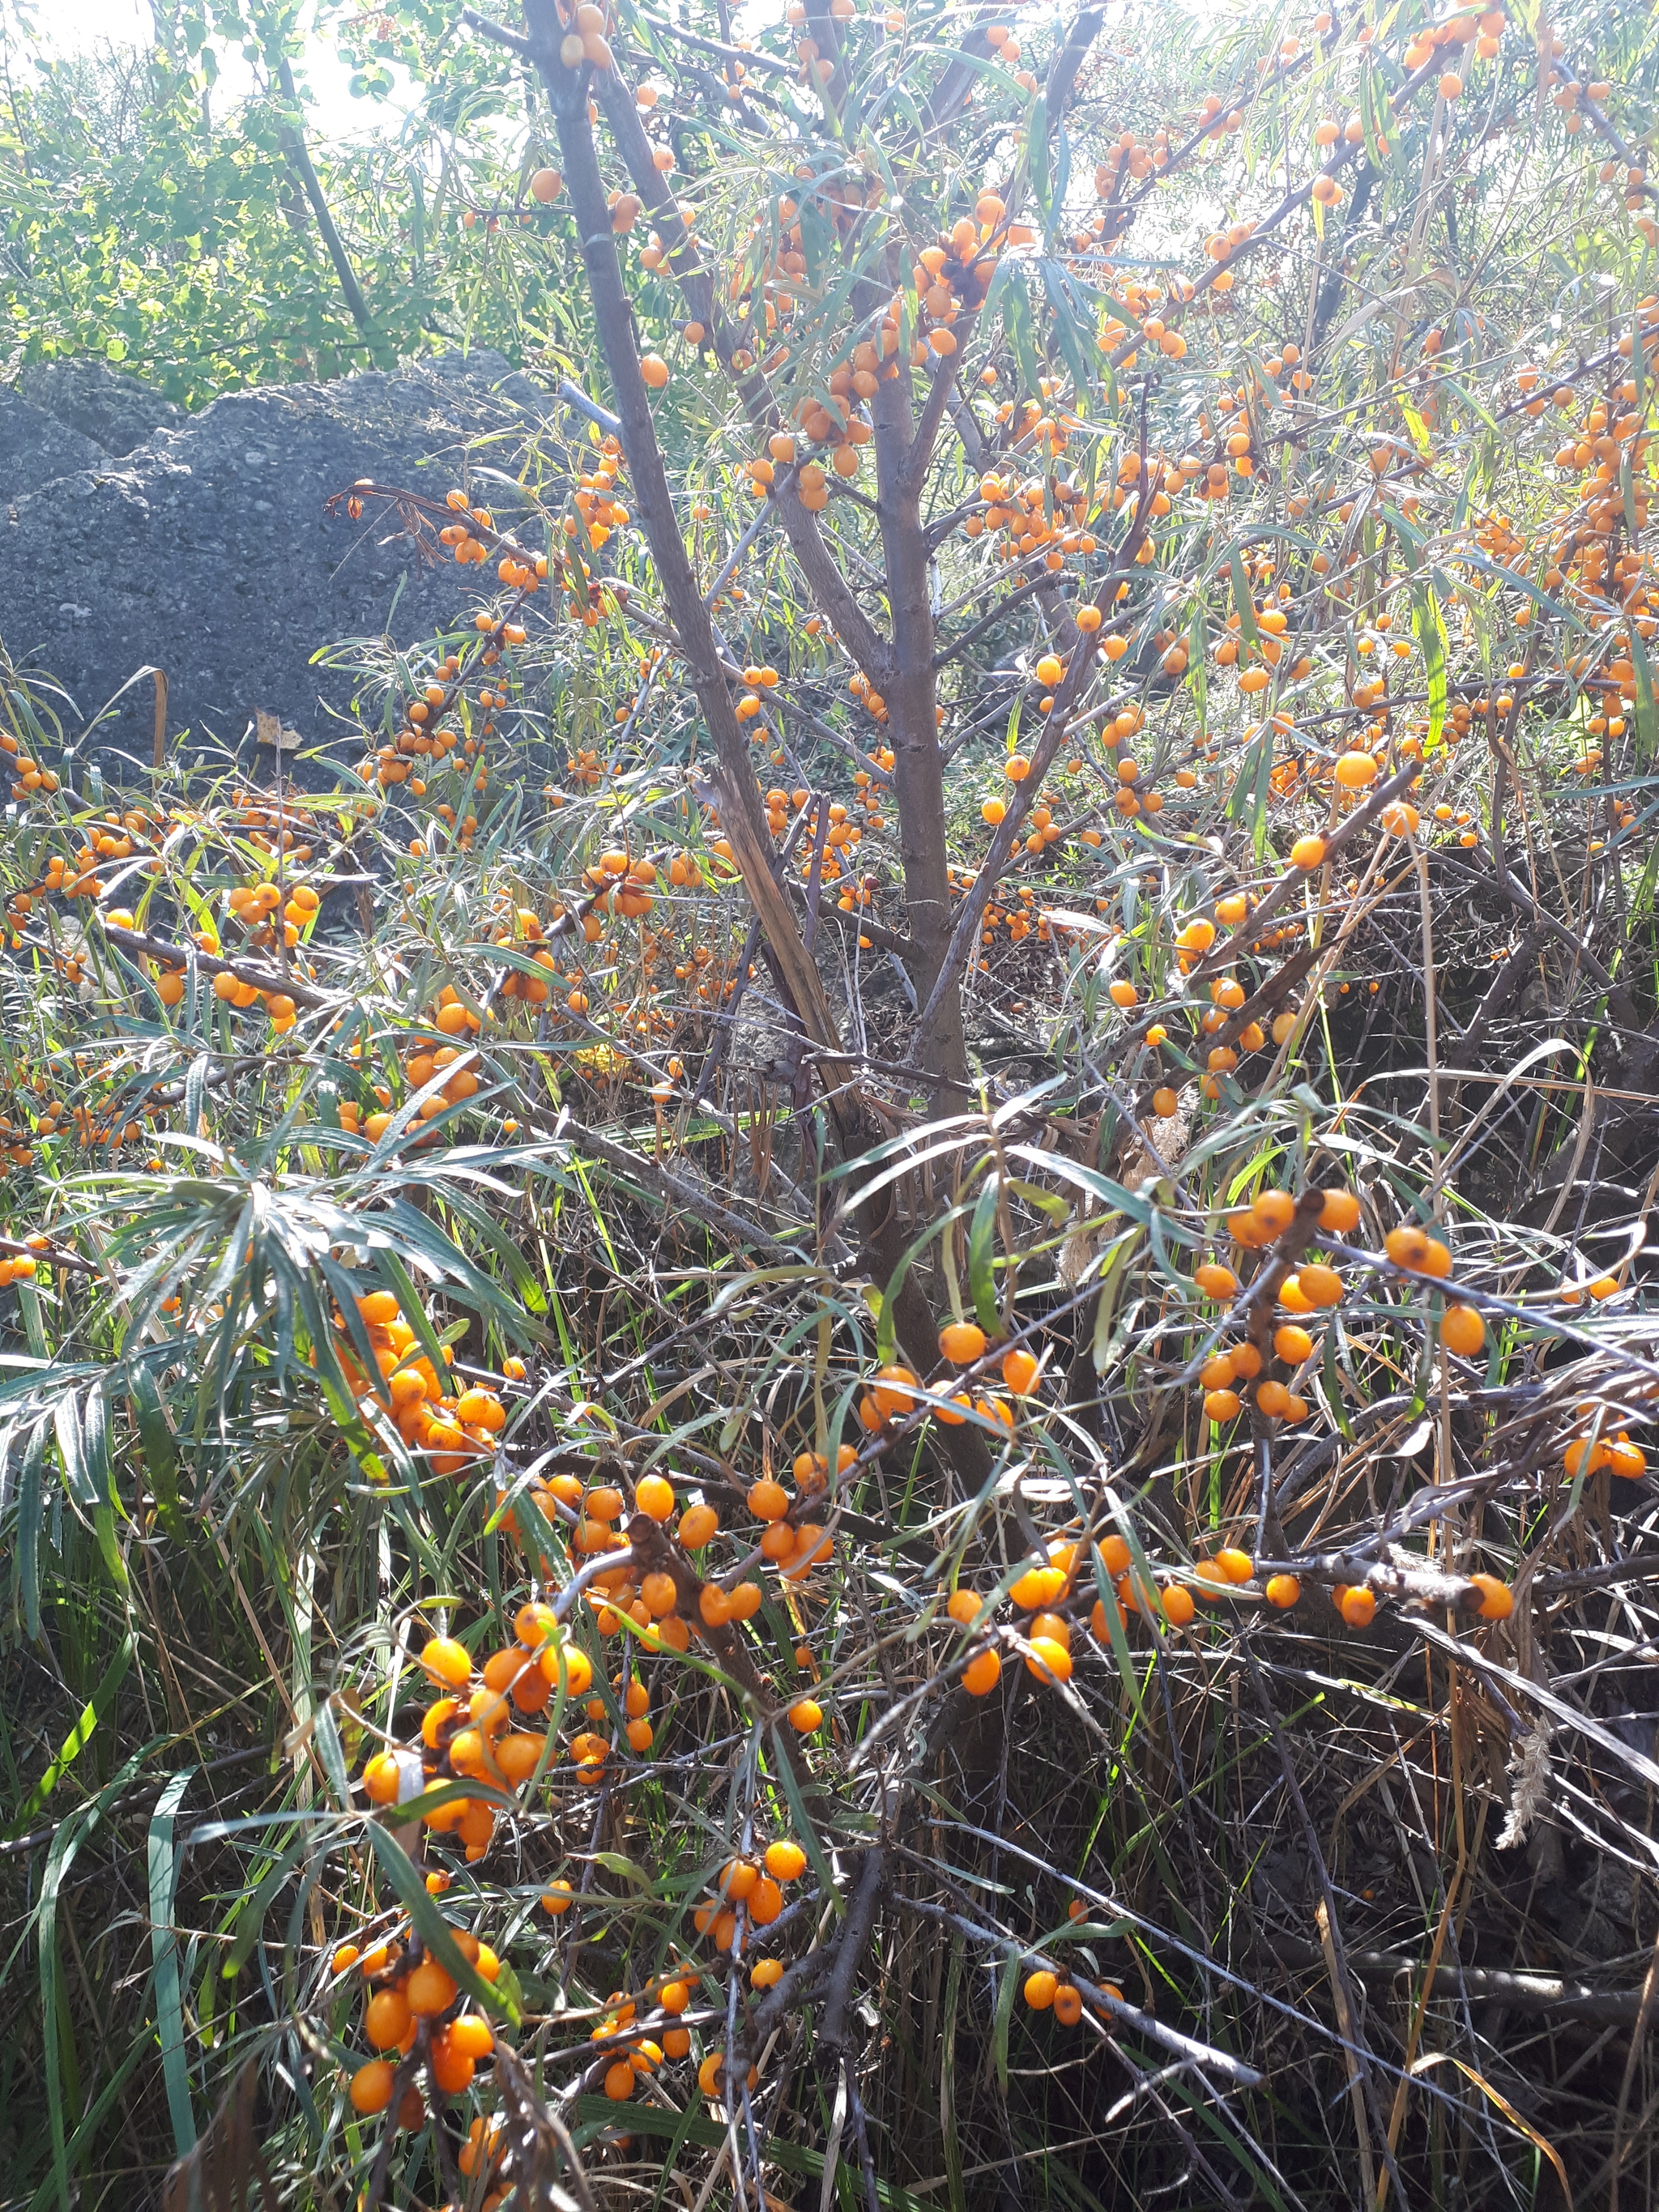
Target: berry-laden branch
column 742, row 815
column 835, row 601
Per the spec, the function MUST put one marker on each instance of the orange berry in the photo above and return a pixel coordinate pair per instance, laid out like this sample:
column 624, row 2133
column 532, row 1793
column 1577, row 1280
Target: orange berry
column 785, row 1861
column 697, row 1524
column 428, row 1990
column 447, row 1661
column 1019, row 1371
column 1282, row 1591
column 1274, row 1211
column 371, row 2086
column 1049, row 1660
column 654, row 1496
column 1463, row 1331
column 1040, row 1988
column 961, row 1342
column 983, row 1673
column 1357, row 1607
column 1339, row 1211
column 894, row 1390
column 1497, row 1599
column 471, row 2035
column 386, row 2021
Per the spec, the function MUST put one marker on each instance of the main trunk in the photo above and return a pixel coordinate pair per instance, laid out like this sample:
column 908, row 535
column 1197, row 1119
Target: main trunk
column 911, row 699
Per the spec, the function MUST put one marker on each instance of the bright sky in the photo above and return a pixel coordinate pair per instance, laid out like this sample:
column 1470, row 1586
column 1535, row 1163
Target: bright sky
column 75, row 25
column 71, row 25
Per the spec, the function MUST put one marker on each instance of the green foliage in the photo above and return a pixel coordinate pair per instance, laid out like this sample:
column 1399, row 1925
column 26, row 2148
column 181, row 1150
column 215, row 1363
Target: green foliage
column 666, row 1214
column 163, row 229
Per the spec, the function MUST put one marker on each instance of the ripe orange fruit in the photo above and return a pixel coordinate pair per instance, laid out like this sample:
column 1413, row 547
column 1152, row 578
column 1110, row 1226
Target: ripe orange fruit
column 654, row 1496
column 1038, row 1586
column 1282, row 1591
column 447, row 1661
column 451, row 2071
column 983, row 1673
column 895, row 1390
column 1019, row 1371
column 1497, row 1599
column 1339, row 1211
column 385, row 2022
column 1308, row 853
column 1319, row 1285
column 1463, row 1331
column 1068, row 2005
column 1405, row 1245
column 765, row 1902
column 471, row 2035
column 371, row 2086
column 736, row 1879
column 1049, row 1660
column 381, row 1777
column 619, row 2082
column 961, row 1342
column 769, row 1500
column 1216, row 1281
column 428, row 1990
column 1357, row 1607
column 1040, row 1988
column 697, row 1524
column 785, row 1861
column 1274, row 1211
column 805, row 1714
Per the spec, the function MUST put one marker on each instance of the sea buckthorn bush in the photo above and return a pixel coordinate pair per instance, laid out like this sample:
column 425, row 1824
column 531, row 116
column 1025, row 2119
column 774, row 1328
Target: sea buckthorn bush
column 838, row 1380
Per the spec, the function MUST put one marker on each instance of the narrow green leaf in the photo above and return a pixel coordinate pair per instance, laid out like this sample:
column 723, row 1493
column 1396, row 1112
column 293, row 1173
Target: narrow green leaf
column 430, row 1925
column 164, row 1951
column 981, row 1251
column 95, row 1710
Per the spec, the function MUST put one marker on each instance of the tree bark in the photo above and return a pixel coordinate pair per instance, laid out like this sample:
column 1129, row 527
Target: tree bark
column 918, row 772
column 293, row 140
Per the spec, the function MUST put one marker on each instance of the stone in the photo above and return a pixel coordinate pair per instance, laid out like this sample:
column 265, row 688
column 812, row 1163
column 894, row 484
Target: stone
column 114, row 411
column 208, row 549
column 36, row 449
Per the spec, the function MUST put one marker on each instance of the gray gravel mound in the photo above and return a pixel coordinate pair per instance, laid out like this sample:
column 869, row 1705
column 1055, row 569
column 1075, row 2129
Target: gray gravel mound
column 130, row 532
